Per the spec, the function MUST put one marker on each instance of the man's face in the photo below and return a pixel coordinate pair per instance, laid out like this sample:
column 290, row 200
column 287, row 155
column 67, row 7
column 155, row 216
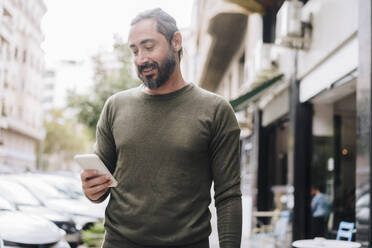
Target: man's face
column 153, row 55
column 313, row 191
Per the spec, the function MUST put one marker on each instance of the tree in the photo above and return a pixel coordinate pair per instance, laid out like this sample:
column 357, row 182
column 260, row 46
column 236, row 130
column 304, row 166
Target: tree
column 64, row 138
column 106, row 82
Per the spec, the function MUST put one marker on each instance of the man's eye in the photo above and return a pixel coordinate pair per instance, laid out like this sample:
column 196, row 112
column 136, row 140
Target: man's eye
column 149, row 48
column 135, row 52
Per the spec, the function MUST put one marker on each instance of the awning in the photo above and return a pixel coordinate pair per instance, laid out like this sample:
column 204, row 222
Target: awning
column 240, row 102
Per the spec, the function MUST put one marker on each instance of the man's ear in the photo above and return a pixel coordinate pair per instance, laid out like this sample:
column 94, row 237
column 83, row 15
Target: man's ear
column 177, row 41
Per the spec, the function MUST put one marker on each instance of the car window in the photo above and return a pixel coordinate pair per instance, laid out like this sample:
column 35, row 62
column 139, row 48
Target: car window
column 5, row 205
column 68, row 186
column 42, row 189
column 16, row 193
column 71, row 187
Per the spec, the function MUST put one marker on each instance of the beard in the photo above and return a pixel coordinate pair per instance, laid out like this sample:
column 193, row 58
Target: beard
column 165, row 69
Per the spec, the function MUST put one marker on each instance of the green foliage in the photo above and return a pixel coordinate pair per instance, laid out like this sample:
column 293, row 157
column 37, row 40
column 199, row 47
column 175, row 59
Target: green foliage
column 63, row 135
column 106, row 83
column 93, row 237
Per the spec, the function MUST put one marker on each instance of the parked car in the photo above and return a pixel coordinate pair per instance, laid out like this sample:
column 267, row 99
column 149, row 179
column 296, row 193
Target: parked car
column 66, row 184
column 20, row 199
column 18, row 229
column 83, row 214
column 70, row 185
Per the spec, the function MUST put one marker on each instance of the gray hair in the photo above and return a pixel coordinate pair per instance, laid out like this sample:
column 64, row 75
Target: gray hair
column 166, row 24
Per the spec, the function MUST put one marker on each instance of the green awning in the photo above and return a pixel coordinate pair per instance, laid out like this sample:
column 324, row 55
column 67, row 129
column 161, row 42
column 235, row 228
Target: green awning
column 238, row 102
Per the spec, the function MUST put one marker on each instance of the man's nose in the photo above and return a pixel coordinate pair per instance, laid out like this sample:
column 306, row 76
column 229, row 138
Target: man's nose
column 142, row 59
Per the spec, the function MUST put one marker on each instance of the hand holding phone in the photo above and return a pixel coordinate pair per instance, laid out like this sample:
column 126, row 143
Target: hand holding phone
column 94, row 185
column 93, row 162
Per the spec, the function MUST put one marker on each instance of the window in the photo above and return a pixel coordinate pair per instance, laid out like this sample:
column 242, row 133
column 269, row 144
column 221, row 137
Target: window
column 8, row 53
column 49, row 74
column 241, row 70
column 6, row 79
column 269, row 21
column 31, row 61
column 20, row 112
column 48, row 99
column 24, row 56
column 3, row 109
column 16, row 53
column 49, row 86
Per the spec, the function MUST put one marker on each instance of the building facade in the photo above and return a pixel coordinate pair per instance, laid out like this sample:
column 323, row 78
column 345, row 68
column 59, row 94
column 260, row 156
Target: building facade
column 21, row 83
column 300, row 86
column 63, row 76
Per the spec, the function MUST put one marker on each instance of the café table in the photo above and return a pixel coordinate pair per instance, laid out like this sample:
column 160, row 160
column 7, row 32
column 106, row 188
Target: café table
column 324, row 243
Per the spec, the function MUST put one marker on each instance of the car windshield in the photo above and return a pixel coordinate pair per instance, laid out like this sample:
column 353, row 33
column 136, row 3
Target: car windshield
column 68, row 186
column 42, row 189
column 17, row 194
column 5, row 205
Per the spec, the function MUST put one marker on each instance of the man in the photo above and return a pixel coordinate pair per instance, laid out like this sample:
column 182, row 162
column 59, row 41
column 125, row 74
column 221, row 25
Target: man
column 320, row 209
column 165, row 142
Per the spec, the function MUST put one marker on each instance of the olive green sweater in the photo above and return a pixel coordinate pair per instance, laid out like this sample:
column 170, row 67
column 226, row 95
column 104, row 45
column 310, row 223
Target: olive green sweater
column 165, row 151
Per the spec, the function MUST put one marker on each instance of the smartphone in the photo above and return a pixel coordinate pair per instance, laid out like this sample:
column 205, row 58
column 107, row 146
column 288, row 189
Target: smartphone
column 93, row 162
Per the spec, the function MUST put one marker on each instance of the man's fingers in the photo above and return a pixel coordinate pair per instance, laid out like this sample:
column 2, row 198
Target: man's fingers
column 94, row 184
column 98, row 195
column 86, row 174
column 91, row 182
column 98, row 188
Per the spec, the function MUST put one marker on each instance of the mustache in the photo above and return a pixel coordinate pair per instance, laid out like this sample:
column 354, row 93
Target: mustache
column 148, row 65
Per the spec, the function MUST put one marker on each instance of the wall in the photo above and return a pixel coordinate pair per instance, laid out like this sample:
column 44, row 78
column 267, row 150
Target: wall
column 333, row 49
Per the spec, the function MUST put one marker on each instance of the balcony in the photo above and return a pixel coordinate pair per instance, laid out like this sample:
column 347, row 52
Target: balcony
column 226, row 27
column 6, row 24
column 20, row 127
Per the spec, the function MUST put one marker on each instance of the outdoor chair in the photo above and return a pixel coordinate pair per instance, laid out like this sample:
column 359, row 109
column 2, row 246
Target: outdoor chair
column 345, row 231
column 277, row 237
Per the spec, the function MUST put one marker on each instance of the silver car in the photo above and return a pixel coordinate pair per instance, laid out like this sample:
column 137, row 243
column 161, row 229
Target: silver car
column 20, row 199
column 82, row 213
column 18, row 229
column 71, row 186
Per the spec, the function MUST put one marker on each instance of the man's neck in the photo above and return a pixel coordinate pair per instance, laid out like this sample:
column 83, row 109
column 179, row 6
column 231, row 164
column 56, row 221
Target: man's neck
column 174, row 83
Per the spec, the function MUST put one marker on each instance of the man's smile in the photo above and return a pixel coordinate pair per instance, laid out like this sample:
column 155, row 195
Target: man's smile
column 148, row 69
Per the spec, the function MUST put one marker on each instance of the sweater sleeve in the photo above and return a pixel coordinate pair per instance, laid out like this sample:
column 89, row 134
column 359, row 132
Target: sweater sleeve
column 105, row 146
column 225, row 160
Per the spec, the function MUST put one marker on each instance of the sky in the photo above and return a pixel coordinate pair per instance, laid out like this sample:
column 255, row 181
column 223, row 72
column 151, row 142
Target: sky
column 77, row 29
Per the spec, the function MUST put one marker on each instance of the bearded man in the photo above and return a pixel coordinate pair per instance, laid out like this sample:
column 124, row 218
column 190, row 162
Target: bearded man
column 165, row 142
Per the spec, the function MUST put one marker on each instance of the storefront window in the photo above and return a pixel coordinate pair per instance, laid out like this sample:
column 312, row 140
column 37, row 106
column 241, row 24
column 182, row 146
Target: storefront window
column 333, row 172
